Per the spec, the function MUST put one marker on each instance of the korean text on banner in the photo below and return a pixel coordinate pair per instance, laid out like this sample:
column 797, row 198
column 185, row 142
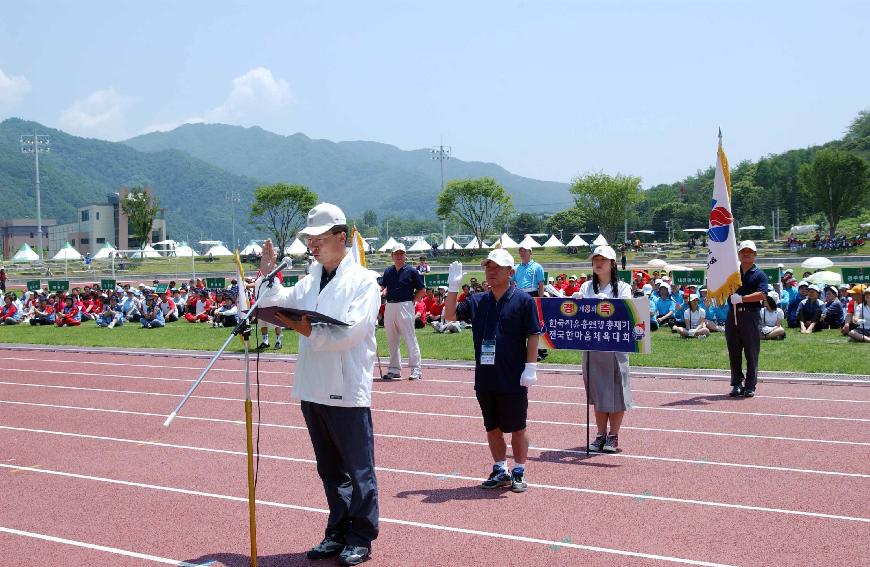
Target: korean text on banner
column 614, row 325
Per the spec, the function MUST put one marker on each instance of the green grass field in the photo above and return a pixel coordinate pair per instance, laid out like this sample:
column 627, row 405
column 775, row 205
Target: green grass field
column 826, row 352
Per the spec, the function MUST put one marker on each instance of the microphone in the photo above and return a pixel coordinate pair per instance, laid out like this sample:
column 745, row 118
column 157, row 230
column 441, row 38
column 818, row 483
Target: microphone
column 271, row 276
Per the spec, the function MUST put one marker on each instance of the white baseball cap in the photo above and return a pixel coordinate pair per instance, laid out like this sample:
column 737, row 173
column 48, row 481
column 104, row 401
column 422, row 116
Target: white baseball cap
column 604, row 251
column 664, row 285
column 501, row 257
column 647, row 289
column 693, row 297
column 817, row 288
column 747, row 244
column 322, row 218
column 774, row 295
column 399, row 247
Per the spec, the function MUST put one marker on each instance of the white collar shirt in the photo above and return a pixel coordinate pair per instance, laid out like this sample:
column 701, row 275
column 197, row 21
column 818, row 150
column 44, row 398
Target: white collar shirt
column 335, row 363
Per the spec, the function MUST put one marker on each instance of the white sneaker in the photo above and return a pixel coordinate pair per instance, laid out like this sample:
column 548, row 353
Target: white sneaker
column 416, row 374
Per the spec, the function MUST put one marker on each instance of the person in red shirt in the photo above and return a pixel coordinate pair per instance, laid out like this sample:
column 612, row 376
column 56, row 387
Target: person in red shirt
column 437, row 307
column 572, row 287
column 201, row 307
column 420, row 314
column 69, row 316
column 466, row 291
column 429, row 300
column 9, row 312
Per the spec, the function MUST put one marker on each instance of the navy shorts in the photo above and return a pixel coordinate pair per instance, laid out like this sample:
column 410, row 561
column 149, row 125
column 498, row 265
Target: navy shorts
column 503, row 411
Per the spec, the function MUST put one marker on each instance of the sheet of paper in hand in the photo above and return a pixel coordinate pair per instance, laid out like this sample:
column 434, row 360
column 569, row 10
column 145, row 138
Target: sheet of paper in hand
column 270, row 315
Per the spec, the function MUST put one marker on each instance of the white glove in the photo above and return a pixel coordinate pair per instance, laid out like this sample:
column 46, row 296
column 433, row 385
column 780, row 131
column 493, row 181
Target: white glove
column 454, row 277
column 530, row 374
column 736, row 298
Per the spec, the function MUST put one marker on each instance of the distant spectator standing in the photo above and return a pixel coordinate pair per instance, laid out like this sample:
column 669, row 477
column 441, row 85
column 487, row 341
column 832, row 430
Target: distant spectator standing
column 529, row 277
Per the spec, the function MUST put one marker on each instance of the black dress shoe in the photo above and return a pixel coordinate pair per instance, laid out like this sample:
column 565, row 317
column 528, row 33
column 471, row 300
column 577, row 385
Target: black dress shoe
column 749, row 393
column 736, row 391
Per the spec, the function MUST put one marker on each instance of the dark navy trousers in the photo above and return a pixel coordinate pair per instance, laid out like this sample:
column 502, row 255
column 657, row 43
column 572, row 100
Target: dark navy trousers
column 743, row 338
column 344, row 447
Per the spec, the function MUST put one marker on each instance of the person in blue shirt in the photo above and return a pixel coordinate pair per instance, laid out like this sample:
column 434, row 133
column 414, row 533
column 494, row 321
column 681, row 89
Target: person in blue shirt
column 679, row 307
column 152, row 315
column 794, row 305
column 665, row 308
column 742, row 326
column 810, row 311
column 505, row 329
column 833, row 314
column 529, row 277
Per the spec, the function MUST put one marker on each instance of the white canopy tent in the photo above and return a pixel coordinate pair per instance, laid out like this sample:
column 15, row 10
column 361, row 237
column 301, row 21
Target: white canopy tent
column 388, row 245
column 695, row 230
column 644, row 231
column 817, row 263
column 752, row 227
column 296, row 248
column 450, row 244
column 67, row 253
column 577, row 241
column 529, row 243
column 25, row 254
column 147, row 252
column 218, row 250
column 420, row 246
column 473, row 245
column 657, row 263
column 599, row 241
column 252, row 248
column 553, row 242
column 507, row 242
column 105, row 253
column 184, row 250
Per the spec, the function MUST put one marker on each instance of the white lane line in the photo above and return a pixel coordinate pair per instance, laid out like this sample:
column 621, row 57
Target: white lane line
column 477, row 417
column 105, row 548
column 534, row 449
column 438, row 380
column 714, row 504
column 410, row 523
column 451, row 396
column 100, row 363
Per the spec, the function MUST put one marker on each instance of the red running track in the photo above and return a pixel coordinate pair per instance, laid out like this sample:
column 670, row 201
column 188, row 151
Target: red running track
column 90, row 476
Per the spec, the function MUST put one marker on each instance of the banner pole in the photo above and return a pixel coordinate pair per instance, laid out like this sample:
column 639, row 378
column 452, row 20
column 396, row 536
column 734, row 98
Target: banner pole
column 586, row 387
column 250, row 442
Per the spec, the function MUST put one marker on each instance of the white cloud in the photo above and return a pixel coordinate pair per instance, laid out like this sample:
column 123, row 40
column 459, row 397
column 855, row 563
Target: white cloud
column 100, row 115
column 13, row 88
column 254, row 94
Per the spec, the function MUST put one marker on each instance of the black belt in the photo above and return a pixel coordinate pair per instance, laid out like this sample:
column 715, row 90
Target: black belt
column 397, row 300
column 750, row 307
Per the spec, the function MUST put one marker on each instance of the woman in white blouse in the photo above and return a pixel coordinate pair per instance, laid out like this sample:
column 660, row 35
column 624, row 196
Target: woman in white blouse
column 605, row 374
column 861, row 319
column 696, row 321
column 771, row 318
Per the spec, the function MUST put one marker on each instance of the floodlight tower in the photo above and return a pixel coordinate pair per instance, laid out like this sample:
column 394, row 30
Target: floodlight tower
column 36, row 144
column 441, row 153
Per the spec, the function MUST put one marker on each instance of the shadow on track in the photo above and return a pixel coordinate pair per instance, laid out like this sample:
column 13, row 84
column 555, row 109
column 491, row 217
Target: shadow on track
column 241, row 560
column 700, row 400
column 575, row 456
column 442, row 495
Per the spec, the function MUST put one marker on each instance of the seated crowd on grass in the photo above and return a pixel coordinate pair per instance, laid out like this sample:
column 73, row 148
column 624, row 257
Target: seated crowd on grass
column 141, row 305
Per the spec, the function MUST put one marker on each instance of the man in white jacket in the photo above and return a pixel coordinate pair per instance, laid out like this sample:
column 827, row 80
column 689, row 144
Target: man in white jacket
column 334, row 379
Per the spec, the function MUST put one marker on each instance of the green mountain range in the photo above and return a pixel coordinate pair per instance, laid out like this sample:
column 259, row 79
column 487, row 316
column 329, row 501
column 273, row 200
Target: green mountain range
column 356, row 175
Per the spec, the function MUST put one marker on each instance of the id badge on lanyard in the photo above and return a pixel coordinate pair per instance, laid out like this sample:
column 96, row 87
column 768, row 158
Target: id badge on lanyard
column 487, row 352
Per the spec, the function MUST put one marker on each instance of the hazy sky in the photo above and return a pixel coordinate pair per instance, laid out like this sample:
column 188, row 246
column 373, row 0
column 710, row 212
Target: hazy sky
column 548, row 89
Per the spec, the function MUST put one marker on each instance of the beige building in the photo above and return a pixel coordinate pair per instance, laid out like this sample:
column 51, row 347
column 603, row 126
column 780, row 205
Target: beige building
column 100, row 223
column 15, row 232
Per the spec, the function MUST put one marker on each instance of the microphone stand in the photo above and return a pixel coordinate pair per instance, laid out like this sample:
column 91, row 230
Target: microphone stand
column 242, row 328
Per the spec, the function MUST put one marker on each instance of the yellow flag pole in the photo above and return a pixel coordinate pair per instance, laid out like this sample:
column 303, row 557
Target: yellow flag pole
column 252, row 512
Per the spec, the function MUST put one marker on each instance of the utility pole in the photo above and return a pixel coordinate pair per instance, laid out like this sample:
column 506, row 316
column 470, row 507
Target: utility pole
column 36, row 144
column 233, row 197
column 441, row 153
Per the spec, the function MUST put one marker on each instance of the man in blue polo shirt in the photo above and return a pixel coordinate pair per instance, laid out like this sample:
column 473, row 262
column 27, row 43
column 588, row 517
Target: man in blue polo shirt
column 505, row 329
column 742, row 329
column 529, row 277
column 404, row 287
